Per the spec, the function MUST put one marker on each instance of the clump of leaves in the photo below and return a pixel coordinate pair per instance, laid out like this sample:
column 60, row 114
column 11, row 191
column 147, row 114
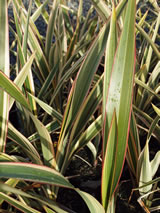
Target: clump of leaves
column 61, row 93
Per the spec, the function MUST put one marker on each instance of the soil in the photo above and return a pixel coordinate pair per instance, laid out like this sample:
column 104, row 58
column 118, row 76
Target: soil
column 88, row 179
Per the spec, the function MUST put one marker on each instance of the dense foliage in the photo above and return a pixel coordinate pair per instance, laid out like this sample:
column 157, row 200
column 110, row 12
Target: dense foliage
column 90, row 81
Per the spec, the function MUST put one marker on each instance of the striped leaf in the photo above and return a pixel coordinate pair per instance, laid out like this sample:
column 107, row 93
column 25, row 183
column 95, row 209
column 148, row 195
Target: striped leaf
column 80, row 88
column 119, row 93
column 48, row 109
column 93, row 205
column 7, row 85
column 109, row 167
column 133, row 150
column 46, row 142
column 19, row 205
column 33, row 41
column 146, row 169
column 20, row 78
column 29, row 84
column 24, row 143
column 33, row 172
column 4, row 67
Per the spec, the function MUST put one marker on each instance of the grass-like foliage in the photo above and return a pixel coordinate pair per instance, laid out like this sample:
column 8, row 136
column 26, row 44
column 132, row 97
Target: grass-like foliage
column 89, row 81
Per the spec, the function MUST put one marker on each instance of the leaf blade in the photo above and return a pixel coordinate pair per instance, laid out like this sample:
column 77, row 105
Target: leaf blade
column 4, row 66
column 13, row 90
column 33, row 172
column 120, row 92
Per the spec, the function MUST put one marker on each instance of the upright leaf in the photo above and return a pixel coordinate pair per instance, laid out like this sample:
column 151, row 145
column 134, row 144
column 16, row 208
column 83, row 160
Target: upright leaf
column 119, row 99
column 46, row 142
column 133, row 150
column 33, row 41
column 4, row 67
column 109, row 57
column 29, row 84
column 21, row 77
column 109, row 170
column 145, row 170
column 81, row 87
column 7, row 85
column 50, row 28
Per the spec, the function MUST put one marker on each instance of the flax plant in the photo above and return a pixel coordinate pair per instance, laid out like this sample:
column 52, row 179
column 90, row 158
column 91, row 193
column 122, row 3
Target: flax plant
column 66, row 102
column 50, row 70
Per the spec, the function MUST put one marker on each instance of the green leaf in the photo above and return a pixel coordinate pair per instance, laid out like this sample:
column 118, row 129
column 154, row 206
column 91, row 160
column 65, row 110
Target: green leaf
column 19, row 205
column 155, row 5
column 46, row 142
column 4, row 38
column 90, row 133
column 156, row 109
column 7, row 85
column 156, row 51
column 150, row 51
column 21, row 77
column 50, row 28
column 29, row 85
column 33, row 41
column 88, row 108
column 84, row 78
column 109, row 167
column 48, row 82
column 12, row 183
column 86, row 136
column 146, row 120
column 155, row 163
column 142, row 20
column 102, row 9
column 109, row 57
column 4, row 67
column 154, row 76
column 48, row 109
column 25, row 38
column 93, row 205
column 40, row 11
column 75, row 36
column 119, row 93
column 7, row 158
column 24, row 143
column 80, row 89
column 66, row 76
column 134, row 149
column 145, row 170
column 51, row 127
column 48, row 210
column 93, row 149
column 33, row 172
column 6, row 188
column 152, row 127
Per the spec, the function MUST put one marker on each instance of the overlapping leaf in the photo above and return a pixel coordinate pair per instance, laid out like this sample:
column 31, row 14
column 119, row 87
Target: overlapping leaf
column 119, row 93
column 7, row 85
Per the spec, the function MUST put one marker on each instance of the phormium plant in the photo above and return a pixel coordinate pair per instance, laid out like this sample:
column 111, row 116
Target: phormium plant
column 97, row 76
